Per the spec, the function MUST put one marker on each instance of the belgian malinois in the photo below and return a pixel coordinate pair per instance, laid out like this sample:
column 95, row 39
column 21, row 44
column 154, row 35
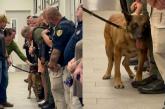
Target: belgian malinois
column 128, row 42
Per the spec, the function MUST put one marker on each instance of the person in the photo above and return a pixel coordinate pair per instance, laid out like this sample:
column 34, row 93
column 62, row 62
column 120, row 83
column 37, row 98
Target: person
column 69, row 55
column 158, row 5
column 3, row 65
column 44, row 51
column 153, row 84
column 75, row 67
column 27, row 44
column 11, row 45
column 62, row 33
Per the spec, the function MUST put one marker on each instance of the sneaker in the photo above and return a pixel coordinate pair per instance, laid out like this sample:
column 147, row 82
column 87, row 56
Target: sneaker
column 7, row 104
column 41, row 102
column 1, row 106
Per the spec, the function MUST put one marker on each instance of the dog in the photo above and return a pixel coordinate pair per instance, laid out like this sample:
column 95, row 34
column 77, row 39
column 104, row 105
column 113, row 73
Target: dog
column 128, row 42
column 34, row 81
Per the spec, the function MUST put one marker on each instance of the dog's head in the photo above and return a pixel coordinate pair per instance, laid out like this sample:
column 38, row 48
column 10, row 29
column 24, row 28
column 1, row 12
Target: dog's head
column 137, row 25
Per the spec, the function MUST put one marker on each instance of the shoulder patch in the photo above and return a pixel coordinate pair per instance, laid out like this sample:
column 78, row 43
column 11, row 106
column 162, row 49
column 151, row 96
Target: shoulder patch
column 59, row 33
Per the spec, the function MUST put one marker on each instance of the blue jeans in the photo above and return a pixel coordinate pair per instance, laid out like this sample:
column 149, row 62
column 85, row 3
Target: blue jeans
column 3, row 80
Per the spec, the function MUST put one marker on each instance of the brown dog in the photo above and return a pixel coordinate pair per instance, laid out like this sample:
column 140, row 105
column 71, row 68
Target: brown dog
column 34, row 81
column 127, row 42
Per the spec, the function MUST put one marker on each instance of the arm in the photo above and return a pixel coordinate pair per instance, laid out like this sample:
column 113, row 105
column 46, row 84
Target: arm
column 53, row 62
column 19, row 53
column 46, row 38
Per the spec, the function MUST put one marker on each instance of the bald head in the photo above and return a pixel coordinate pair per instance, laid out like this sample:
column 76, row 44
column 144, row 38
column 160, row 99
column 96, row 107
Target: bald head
column 52, row 15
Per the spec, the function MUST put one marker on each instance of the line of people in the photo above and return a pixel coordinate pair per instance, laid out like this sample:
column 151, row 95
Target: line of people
column 53, row 38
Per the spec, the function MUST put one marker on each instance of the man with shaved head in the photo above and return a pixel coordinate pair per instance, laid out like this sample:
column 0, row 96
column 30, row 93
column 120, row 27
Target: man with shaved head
column 62, row 30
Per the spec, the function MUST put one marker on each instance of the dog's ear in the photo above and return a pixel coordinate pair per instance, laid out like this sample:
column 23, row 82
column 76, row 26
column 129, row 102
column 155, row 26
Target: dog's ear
column 128, row 17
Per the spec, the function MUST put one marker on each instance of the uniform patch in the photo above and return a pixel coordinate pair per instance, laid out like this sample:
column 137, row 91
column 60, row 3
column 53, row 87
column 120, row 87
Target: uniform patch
column 59, row 32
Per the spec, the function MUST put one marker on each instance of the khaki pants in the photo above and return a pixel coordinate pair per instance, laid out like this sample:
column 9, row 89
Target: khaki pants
column 158, row 40
column 60, row 92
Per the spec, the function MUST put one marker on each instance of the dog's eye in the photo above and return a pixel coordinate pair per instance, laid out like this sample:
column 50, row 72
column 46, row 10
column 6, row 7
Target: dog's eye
column 135, row 25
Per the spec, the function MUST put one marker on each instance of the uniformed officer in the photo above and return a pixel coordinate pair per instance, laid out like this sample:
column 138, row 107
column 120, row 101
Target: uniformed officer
column 44, row 52
column 62, row 32
column 72, row 51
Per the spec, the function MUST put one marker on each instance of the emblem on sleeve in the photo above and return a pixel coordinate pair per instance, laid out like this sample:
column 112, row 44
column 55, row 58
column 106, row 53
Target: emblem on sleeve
column 59, row 32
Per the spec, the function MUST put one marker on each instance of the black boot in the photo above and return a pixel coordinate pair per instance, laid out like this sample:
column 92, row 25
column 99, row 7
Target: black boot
column 144, row 82
column 49, row 106
column 156, row 87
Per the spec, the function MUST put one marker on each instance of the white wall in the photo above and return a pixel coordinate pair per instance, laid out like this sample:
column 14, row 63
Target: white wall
column 16, row 5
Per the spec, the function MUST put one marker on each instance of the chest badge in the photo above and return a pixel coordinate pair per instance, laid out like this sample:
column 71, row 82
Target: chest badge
column 59, row 32
column 78, row 32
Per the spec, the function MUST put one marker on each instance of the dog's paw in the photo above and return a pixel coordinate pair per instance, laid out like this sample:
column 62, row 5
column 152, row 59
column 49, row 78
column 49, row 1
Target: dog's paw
column 119, row 85
column 105, row 77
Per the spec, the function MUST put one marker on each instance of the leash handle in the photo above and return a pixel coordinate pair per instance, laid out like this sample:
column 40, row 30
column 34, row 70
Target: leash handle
column 101, row 18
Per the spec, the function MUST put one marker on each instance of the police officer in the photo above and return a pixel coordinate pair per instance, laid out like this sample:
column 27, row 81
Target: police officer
column 72, row 51
column 62, row 32
column 154, row 84
column 44, row 52
column 3, row 65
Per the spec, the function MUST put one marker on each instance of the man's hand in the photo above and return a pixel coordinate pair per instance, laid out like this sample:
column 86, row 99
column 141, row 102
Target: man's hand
column 28, row 63
column 72, row 65
column 9, row 61
column 31, row 49
column 44, row 32
column 46, row 37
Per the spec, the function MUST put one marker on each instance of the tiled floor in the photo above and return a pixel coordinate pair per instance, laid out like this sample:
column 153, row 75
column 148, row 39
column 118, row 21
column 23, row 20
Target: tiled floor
column 17, row 92
column 98, row 93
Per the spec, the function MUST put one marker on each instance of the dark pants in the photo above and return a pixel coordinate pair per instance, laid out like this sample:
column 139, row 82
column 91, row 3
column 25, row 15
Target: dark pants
column 3, row 80
column 154, row 68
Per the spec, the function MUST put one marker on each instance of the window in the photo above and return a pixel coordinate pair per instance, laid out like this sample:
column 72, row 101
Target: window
column 35, row 6
column 14, row 24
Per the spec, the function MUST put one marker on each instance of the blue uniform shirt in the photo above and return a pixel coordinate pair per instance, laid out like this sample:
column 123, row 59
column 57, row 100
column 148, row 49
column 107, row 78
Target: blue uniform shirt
column 70, row 48
column 63, row 31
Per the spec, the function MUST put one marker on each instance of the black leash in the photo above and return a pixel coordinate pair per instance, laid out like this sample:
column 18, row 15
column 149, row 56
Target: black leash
column 20, row 68
column 101, row 18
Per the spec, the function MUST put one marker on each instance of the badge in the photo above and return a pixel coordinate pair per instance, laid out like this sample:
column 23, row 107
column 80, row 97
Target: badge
column 59, row 32
column 78, row 32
